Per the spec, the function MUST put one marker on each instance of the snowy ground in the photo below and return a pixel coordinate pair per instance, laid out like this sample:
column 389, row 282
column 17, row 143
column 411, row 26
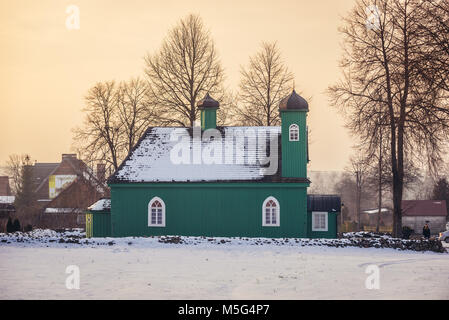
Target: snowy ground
column 144, row 268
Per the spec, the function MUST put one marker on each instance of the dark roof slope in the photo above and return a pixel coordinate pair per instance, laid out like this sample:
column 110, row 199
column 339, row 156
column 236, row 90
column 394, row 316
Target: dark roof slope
column 294, row 102
column 41, row 171
column 424, row 208
column 328, row 203
column 208, row 103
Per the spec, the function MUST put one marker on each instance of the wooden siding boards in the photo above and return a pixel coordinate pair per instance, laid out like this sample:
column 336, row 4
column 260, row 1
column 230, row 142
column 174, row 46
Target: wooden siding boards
column 208, row 119
column 209, row 209
column 323, row 203
column 101, row 224
column 98, row 224
column 294, row 153
column 222, row 201
column 331, row 232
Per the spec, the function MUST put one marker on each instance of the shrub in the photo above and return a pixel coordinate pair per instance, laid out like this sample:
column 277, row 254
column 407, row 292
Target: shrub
column 9, row 226
column 406, row 232
column 16, row 225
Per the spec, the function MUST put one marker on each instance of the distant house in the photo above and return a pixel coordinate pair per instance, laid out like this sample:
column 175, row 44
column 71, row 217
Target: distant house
column 415, row 213
column 369, row 218
column 64, row 190
column 6, row 202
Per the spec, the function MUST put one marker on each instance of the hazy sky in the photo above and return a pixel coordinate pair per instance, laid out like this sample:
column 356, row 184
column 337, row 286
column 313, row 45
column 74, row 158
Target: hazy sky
column 47, row 69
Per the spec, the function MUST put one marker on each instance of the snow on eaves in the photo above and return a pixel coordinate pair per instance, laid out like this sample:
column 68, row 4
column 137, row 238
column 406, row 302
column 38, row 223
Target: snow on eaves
column 63, row 210
column 373, row 211
column 151, row 160
column 101, row 205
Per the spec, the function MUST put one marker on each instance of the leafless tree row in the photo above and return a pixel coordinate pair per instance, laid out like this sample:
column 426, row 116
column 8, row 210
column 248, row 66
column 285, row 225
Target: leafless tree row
column 395, row 82
column 178, row 75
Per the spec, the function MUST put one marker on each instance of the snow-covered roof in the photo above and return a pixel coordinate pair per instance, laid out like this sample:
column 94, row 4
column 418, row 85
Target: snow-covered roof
column 101, row 205
column 63, row 210
column 373, row 211
column 156, row 157
column 7, row 199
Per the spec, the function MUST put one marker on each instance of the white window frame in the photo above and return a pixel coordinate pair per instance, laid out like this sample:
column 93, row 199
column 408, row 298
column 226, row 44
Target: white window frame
column 163, row 213
column 319, row 213
column 278, row 213
column 293, row 127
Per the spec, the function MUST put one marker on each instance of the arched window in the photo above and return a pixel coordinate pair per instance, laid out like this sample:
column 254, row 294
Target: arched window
column 294, row 132
column 156, row 213
column 271, row 212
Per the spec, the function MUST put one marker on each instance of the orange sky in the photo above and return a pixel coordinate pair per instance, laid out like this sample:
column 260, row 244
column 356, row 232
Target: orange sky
column 47, row 69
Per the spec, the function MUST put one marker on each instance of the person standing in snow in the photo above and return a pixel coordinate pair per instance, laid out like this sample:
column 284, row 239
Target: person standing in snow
column 426, row 231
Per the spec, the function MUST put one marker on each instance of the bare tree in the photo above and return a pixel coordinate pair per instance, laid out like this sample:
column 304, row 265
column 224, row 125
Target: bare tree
column 359, row 167
column 183, row 71
column 116, row 117
column 14, row 168
column 435, row 28
column 384, row 75
column 264, row 83
column 353, row 195
column 99, row 139
column 135, row 110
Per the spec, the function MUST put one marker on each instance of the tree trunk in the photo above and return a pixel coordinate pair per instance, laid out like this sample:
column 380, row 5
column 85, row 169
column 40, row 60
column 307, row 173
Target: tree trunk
column 380, row 179
column 358, row 194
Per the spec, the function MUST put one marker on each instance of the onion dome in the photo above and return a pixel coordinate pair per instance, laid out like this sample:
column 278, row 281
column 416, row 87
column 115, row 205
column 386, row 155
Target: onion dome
column 293, row 102
column 208, row 103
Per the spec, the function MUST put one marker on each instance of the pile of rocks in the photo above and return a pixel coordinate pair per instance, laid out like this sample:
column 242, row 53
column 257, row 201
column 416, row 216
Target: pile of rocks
column 169, row 239
column 352, row 239
column 379, row 240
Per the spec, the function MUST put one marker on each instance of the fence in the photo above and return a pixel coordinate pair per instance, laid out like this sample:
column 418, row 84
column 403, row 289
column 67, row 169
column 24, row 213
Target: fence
column 350, row 226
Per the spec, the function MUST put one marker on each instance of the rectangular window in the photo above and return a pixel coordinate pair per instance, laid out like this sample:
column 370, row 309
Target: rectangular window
column 319, row 221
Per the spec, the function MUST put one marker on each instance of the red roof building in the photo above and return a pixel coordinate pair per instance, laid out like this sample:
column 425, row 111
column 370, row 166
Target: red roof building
column 428, row 208
column 416, row 213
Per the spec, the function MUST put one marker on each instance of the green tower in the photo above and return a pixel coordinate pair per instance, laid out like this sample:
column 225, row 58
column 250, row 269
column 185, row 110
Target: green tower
column 293, row 109
column 208, row 107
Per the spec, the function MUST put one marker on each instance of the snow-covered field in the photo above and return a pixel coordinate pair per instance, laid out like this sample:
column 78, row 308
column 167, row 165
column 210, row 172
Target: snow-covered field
column 144, row 268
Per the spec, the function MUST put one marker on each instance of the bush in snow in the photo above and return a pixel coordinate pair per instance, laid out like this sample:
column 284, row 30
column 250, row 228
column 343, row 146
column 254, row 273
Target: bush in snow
column 406, row 232
column 9, row 226
column 16, row 225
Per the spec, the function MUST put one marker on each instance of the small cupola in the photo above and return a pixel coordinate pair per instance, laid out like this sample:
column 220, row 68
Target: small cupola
column 293, row 102
column 208, row 107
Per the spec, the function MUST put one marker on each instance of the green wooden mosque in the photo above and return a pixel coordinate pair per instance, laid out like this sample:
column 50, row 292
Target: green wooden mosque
column 218, row 181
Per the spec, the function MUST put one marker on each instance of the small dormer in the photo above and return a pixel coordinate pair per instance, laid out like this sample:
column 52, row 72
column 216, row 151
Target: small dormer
column 293, row 110
column 208, row 107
